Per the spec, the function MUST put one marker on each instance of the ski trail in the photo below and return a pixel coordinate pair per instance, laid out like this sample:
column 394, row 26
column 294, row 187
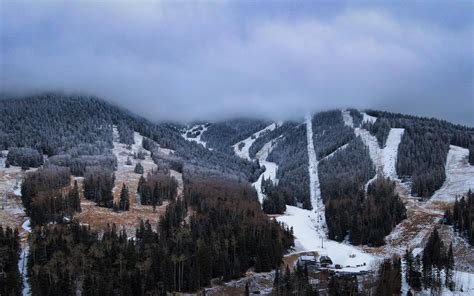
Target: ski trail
column 314, row 187
column 368, row 118
column 459, row 175
column 270, row 167
column 244, row 152
column 347, row 118
column 196, row 139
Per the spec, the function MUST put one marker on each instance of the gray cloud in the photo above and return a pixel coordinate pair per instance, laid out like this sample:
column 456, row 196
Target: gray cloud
column 186, row 61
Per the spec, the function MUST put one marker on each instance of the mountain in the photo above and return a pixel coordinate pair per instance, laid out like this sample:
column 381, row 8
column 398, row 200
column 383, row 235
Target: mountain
column 192, row 200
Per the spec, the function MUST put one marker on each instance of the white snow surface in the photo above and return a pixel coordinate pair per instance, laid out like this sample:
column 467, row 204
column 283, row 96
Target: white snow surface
column 459, row 175
column 346, row 116
column 244, row 152
column 270, row 167
column 309, row 238
column 309, row 227
column 314, row 187
column 368, row 118
column 384, row 159
column 198, row 138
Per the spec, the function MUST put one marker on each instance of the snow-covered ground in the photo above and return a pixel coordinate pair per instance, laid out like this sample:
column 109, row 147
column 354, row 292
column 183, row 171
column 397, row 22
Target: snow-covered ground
column 309, row 227
column 244, row 152
column 384, row 159
column 309, row 238
column 459, row 175
column 314, row 187
column 125, row 173
column 270, row 167
column 368, row 118
column 197, row 139
column 347, row 118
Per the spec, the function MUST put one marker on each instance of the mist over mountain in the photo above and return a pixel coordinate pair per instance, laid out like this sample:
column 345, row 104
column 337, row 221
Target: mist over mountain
column 184, row 61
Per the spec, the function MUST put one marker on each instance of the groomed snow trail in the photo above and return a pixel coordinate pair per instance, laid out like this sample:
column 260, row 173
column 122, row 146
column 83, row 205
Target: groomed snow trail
column 270, row 167
column 384, row 159
column 314, row 187
column 244, row 152
column 347, row 118
column 198, row 138
column 459, row 175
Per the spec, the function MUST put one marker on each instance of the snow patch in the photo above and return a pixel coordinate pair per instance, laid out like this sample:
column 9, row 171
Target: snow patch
column 384, row 159
column 309, row 238
column 459, row 175
column 314, row 186
column 347, row 118
column 368, row 118
column 197, row 139
column 247, row 143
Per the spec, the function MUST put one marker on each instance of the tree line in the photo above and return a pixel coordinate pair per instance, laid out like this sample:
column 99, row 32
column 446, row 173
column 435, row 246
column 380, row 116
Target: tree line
column 461, row 216
column 156, row 188
column 226, row 235
column 433, row 269
column 10, row 277
column 424, row 147
column 48, row 196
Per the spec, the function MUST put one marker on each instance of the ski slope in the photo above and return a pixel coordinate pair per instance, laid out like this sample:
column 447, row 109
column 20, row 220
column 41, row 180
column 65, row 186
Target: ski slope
column 244, row 152
column 347, row 118
column 314, row 187
column 309, row 238
column 270, row 167
column 368, row 118
column 384, row 159
column 309, row 227
column 198, row 138
column 459, row 175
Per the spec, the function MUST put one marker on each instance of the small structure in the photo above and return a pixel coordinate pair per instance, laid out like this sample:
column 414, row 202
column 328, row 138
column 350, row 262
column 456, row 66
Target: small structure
column 306, row 260
column 325, row 261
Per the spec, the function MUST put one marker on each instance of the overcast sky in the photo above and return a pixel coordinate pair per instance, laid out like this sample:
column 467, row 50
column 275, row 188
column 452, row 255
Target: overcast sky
column 209, row 60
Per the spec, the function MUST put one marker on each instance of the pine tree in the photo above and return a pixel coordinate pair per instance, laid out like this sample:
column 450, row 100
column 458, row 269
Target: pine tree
column 450, row 269
column 138, row 168
column 124, row 204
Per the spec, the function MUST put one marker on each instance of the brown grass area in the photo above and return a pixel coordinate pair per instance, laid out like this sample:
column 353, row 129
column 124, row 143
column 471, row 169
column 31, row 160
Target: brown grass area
column 99, row 217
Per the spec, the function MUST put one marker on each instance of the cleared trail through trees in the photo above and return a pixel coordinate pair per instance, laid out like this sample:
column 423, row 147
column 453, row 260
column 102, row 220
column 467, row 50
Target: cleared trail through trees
column 314, row 186
column 270, row 167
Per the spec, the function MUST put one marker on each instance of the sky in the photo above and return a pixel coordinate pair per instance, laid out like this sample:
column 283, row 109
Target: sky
column 187, row 60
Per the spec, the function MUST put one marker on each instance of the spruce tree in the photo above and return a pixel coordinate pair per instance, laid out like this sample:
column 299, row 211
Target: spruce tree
column 124, row 204
column 138, row 168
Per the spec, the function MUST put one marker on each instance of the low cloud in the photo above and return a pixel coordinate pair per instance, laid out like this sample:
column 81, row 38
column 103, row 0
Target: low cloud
column 190, row 61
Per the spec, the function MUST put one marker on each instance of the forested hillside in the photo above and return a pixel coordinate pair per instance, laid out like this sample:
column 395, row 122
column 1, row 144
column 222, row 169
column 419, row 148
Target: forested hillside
column 424, row 147
column 292, row 158
column 222, row 135
column 77, row 131
column 330, row 132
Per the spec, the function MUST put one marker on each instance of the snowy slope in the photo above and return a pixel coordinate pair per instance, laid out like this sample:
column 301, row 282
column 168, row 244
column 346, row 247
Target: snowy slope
column 384, row 159
column 459, row 175
column 270, row 167
column 347, row 118
column 198, row 138
column 310, row 226
column 244, row 152
column 309, row 238
column 314, row 187
column 368, row 118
